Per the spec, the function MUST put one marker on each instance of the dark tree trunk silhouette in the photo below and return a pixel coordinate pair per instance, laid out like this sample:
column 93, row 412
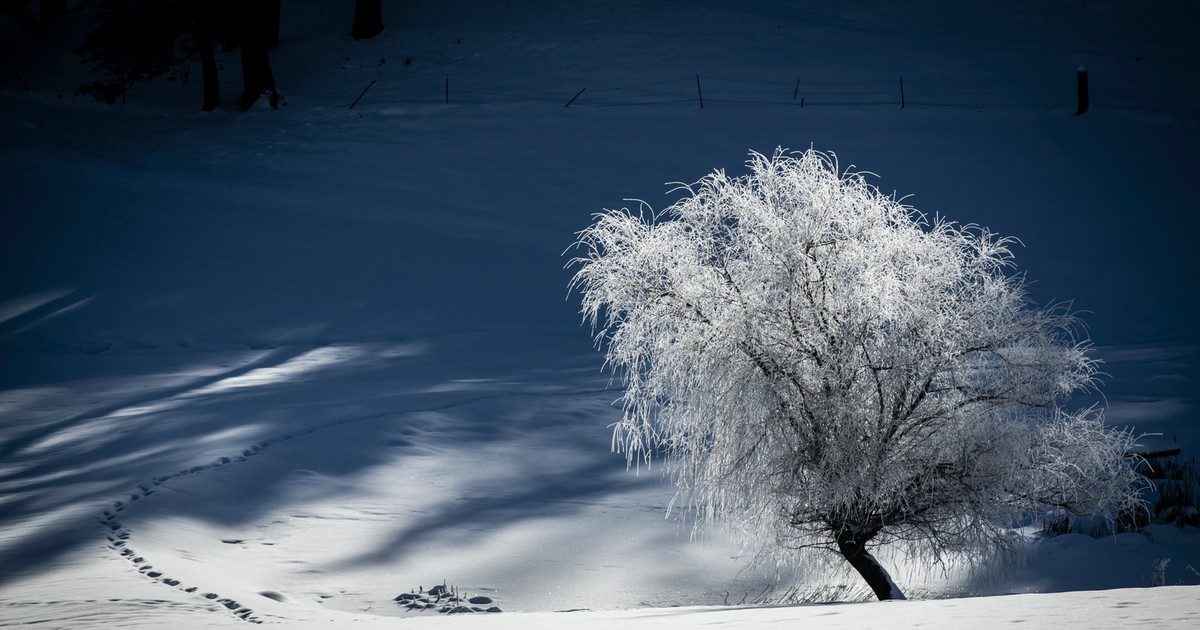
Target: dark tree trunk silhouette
column 368, row 19
column 256, row 21
column 256, row 75
column 51, row 11
column 273, row 26
column 854, row 550
column 208, row 67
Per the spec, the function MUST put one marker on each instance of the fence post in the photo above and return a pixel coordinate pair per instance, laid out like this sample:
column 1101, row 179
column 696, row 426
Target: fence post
column 362, row 94
column 574, row 97
column 1081, row 91
column 902, row 91
column 698, row 92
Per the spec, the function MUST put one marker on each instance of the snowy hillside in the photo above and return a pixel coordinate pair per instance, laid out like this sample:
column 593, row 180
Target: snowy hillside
column 307, row 360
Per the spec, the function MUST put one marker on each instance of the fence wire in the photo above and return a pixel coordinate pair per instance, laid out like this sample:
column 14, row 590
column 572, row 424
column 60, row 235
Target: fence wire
column 702, row 91
column 728, row 91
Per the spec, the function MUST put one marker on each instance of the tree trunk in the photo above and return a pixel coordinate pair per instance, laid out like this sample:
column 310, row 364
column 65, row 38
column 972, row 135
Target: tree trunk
column 854, row 550
column 208, row 63
column 255, row 36
column 208, row 68
column 368, row 19
column 257, row 77
column 273, row 23
column 51, row 11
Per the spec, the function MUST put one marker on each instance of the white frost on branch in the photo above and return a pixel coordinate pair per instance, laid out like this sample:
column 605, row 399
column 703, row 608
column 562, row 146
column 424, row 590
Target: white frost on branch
column 820, row 362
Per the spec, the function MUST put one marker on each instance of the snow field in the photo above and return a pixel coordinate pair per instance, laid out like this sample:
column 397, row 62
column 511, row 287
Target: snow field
column 370, row 310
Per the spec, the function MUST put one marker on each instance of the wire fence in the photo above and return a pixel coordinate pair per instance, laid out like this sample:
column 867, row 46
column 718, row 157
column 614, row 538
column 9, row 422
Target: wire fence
column 699, row 92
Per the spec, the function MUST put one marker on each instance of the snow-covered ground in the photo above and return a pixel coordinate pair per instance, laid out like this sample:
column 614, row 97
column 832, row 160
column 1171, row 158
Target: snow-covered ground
column 1165, row 607
column 322, row 357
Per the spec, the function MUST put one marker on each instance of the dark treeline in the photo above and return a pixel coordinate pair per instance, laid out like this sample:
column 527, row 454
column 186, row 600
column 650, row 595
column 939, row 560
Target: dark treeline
column 33, row 15
column 136, row 40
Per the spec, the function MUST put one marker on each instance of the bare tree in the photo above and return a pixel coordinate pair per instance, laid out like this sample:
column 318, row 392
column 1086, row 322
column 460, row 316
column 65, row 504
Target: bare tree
column 827, row 368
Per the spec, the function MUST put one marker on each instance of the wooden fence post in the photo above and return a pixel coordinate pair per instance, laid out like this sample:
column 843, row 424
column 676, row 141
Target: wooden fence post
column 362, row 94
column 1081, row 91
column 574, row 97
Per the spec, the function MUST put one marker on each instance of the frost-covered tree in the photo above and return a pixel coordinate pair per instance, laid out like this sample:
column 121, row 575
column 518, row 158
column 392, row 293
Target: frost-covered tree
column 828, row 368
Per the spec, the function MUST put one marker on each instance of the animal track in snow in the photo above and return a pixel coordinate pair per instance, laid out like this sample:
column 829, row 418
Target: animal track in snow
column 119, row 537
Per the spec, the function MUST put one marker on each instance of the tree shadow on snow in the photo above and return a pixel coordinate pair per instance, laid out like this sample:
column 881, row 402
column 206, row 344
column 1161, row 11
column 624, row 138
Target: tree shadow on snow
column 72, row 447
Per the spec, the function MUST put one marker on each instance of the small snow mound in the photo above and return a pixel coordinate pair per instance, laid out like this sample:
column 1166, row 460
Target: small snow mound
column 273, row 595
